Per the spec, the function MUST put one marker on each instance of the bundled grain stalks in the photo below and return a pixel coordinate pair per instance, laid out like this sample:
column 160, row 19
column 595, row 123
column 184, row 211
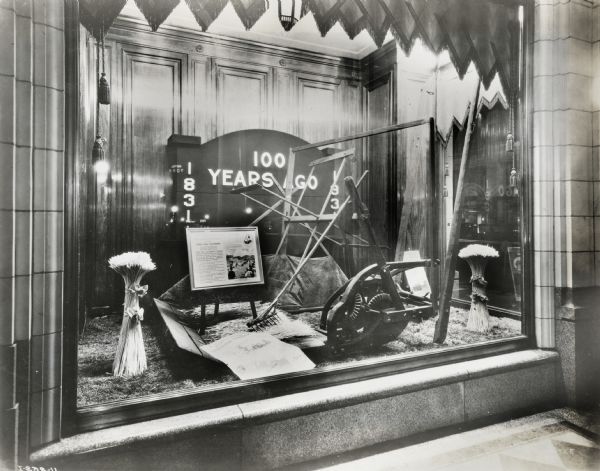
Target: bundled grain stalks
column 477, row 255
column 130, row 358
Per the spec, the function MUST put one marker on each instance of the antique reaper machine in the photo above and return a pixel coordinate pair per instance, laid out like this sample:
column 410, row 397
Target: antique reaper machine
column 372, row 308
column 375, row 305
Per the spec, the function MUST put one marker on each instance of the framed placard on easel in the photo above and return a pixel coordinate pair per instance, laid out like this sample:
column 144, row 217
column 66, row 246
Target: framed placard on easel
column 222, row 257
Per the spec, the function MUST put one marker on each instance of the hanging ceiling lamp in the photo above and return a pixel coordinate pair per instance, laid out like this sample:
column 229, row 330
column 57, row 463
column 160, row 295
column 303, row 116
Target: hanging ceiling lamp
column 287, row 13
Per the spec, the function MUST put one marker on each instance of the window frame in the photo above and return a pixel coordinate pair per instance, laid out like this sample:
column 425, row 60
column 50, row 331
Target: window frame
column 76, row 420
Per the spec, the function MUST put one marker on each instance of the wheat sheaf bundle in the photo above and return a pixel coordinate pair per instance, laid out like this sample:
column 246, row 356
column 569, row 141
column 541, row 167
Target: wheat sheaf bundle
column 477, row 256
column 132, row 264
column 130, row 357
column 478, row 250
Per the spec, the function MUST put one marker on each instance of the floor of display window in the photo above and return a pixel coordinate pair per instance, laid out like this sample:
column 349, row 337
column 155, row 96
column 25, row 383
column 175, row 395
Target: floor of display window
column 171, row 369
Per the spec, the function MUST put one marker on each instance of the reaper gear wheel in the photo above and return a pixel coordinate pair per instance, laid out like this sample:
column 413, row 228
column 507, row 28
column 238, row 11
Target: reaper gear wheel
column 358, row 306
column 351, row 322
column 386, row 332
column 332, row 301
column 380, row 301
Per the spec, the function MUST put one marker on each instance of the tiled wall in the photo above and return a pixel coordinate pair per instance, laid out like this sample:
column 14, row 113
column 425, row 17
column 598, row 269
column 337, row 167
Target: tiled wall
column 595, row 103
column 566, row 141
column 562, row 152
column 31, row 216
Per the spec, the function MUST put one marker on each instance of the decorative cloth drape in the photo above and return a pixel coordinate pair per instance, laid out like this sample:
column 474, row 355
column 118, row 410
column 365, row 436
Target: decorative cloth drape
column 97, row 16
column 453, row 96
column 478, row 31
column 205, row 11
column 156, row 11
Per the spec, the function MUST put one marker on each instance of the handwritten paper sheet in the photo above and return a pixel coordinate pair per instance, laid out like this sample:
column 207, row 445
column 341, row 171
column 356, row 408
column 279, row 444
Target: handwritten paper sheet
column 256, row 354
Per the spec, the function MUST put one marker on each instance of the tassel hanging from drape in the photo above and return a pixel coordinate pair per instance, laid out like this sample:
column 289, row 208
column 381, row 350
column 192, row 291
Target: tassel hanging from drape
column 103, row 86
column 99, row 161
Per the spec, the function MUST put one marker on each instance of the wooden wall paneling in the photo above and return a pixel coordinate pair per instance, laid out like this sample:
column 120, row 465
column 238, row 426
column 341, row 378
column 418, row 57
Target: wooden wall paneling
column 187, row 96
column 318, row 107
column 351, row 123
column 318, row 115
column 152, row 111
column 202, row 85
column 100, row 214
column 105, row 215
column 194, row 42
column 104, row 202
column 352, row 109
column 380, row 159
column 87, row 80
column 87, row 64
column 284, row 101
column 283, row 64
column 416, row 102
column 377, row 75
column 243, row 100
column 204, row 98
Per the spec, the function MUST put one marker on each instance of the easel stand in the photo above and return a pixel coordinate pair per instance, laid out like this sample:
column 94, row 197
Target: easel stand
column 202, row 329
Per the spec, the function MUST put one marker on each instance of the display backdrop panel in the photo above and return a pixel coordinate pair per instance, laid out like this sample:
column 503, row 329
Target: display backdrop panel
column 204, row 175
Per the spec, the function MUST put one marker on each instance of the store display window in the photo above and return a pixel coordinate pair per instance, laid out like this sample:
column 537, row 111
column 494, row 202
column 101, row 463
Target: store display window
column 259, row 219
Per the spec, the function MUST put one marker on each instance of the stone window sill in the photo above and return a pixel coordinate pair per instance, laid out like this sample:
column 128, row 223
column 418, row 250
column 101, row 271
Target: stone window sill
column 279, row 409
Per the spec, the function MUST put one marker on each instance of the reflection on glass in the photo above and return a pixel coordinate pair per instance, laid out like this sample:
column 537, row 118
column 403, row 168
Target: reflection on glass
column 368, row 282
column 492, row 210
column 350, row 267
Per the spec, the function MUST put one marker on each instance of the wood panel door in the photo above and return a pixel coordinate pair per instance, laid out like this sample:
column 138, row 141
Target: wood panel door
column 380, row 160
column 151, row 113
column 243, row 100
column 318, row 108
column 416, row 216
column 130, row 212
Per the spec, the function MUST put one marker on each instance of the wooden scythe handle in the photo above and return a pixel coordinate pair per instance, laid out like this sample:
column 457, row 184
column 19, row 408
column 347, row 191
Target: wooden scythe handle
column 441, row 326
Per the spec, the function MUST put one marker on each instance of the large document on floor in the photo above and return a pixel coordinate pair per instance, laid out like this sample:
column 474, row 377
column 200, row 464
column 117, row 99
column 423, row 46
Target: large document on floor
column 248, row 354
column 256, row 354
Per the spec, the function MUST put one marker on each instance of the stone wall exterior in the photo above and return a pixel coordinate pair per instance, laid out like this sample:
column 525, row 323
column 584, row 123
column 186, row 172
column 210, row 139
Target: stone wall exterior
column 566, row 169
column 31, row 223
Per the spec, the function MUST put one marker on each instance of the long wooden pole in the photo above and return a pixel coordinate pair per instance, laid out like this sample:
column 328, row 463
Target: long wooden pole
column 441, row 326
column 372, row 132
